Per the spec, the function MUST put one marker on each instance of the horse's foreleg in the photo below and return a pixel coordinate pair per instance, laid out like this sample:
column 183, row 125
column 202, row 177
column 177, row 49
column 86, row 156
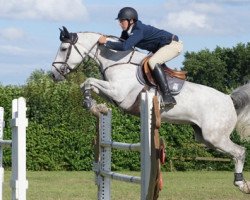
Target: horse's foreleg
column 98, row 86
column 88, row 102
column 108, row 89
column 91, row 105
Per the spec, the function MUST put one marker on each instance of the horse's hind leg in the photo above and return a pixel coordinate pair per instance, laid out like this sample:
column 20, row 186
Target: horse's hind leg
column 238, row 153
column 199, row 137
column 222, row 142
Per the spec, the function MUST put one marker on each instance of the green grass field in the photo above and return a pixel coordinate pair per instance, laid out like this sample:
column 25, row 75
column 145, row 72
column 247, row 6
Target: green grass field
column 177, row 186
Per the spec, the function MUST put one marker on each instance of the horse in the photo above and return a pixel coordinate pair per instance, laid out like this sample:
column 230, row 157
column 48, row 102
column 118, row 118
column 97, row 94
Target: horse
column 213, row 114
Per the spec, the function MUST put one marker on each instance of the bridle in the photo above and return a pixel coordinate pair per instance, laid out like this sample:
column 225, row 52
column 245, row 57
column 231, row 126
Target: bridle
column 72, row 40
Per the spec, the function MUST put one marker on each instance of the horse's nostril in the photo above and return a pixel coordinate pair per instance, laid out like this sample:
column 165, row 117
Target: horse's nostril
column 53, row 77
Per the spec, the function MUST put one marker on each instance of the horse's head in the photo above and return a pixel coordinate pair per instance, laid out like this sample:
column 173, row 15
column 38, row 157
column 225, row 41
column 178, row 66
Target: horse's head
column 71, row 52
column 67, row 57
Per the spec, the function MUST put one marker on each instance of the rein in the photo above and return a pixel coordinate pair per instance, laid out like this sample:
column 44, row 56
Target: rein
column 65, row 68
column 129, row 62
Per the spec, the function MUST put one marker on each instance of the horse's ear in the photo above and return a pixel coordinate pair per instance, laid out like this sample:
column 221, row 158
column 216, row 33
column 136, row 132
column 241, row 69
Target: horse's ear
column 64, row 34
column 61, row 34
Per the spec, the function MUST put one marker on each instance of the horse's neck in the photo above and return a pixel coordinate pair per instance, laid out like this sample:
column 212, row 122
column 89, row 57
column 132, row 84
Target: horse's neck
column 87, row 40
column 108, row 57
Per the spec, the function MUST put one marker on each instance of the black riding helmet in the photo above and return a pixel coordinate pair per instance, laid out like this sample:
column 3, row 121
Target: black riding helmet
column 127, row 13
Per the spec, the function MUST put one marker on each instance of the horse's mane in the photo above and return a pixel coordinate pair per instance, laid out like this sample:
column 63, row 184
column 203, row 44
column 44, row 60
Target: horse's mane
column 109, row 36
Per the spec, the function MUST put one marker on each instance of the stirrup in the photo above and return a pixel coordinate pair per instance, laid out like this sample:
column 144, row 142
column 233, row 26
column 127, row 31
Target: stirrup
column 168, row 100
column 170, row 104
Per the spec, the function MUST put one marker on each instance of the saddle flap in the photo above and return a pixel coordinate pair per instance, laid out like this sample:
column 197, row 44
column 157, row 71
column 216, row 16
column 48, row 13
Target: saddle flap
column 147, row 71
column 175, row 78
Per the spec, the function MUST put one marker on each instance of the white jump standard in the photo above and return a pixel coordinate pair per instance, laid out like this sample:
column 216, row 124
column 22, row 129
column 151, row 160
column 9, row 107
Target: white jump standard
column 19, row 122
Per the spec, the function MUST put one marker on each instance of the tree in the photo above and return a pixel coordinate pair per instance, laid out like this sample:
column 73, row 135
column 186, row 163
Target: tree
column 206, row 68
column 223, row 68
column 237, row 61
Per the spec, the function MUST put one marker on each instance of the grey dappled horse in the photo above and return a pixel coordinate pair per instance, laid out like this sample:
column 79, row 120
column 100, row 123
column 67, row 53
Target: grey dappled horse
column 213, row 115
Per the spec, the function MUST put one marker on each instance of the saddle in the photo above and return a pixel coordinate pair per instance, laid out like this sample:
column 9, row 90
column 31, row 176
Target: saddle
column 175, row 78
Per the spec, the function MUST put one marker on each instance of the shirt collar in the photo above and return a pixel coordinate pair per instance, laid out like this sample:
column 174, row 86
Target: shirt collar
column 130, row 29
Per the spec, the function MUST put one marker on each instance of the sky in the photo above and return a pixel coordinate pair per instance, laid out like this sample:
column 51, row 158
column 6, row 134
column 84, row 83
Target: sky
column 29, row 29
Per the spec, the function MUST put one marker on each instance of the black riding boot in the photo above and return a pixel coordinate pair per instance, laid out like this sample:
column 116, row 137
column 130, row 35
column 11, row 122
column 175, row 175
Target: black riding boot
column 161, row 80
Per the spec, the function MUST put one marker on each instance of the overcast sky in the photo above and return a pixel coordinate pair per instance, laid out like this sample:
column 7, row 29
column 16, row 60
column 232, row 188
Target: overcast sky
column 29, row 34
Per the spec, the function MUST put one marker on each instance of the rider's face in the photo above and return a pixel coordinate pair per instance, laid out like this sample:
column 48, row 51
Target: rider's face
column 125, row 23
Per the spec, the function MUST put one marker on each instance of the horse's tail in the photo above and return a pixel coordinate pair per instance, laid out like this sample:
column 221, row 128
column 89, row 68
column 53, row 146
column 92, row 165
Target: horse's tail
column 241, row 100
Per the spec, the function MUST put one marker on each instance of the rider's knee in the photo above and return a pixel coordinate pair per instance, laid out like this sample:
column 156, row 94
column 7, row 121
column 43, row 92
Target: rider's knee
column 152, row 63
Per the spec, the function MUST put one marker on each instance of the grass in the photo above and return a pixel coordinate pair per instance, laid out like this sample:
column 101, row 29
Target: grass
column 177, row 186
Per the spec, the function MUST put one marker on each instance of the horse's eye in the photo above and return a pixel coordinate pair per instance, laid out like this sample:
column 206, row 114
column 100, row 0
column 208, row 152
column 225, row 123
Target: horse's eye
column 63, row 49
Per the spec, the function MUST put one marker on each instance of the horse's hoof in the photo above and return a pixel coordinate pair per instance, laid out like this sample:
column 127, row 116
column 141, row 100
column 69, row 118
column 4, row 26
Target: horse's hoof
column 245, row 187
column 102, row 108
column 99, row 109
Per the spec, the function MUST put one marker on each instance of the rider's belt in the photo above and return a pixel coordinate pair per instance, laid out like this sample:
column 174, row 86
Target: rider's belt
column 175, row 38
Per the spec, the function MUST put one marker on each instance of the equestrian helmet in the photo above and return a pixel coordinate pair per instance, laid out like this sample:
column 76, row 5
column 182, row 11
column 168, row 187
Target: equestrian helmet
column 127, row 13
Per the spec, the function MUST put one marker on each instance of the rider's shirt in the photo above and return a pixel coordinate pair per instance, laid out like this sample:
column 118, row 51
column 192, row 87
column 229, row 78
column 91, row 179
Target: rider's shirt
column 142, row 36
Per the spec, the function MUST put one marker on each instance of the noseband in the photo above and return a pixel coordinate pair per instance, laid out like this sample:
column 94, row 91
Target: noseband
column 72, row 40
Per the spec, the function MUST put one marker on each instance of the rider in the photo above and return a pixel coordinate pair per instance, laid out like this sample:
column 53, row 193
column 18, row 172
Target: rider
column 163, row 44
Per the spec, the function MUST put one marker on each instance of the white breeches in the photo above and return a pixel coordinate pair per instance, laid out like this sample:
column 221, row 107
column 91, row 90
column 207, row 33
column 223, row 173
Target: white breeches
column 166, row 53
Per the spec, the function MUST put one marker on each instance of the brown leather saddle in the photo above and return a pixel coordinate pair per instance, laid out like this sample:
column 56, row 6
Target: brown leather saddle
column 175, row 78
